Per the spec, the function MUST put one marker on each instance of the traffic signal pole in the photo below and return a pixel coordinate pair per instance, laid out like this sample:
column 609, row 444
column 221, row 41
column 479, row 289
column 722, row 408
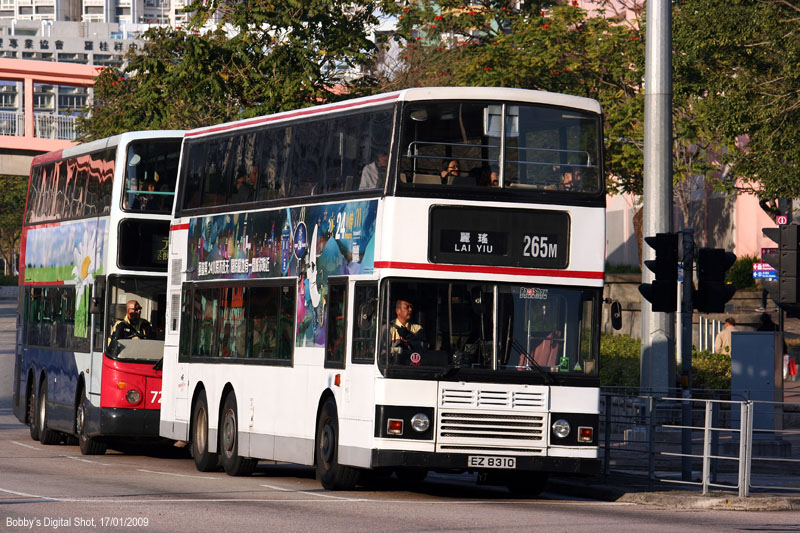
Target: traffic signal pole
column 684, row 348
column 658, row 329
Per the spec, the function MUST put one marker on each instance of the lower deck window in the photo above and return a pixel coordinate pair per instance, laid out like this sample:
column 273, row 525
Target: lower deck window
column 239, row 322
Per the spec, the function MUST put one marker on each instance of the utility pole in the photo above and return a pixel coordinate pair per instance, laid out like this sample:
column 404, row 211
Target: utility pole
column 658, row 329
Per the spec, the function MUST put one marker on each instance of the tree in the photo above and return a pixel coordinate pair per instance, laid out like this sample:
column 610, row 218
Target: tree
column 12, row 208
column 560, row 49
column 739, row 58
column 263, row 56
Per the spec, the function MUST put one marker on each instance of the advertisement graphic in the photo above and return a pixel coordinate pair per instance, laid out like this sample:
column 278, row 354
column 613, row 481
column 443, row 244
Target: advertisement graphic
column 69, row 253
column 314, row 242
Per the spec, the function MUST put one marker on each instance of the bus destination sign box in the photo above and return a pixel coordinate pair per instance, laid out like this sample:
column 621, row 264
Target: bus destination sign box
column 528, row 239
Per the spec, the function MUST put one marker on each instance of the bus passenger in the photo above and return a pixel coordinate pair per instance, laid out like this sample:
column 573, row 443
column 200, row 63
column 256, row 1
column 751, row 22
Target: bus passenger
column 132, row 326
column 243, row 191
column 374, row 171
column 450, row 170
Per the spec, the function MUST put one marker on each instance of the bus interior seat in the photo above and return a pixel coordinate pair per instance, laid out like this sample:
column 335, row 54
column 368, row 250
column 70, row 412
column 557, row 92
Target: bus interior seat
column 462, row 180
column 427, row 179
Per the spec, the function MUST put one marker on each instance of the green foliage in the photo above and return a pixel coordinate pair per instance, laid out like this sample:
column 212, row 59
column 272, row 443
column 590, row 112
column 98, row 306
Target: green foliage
column 12, row 208
column 741, row 273
column 711, row 370
column 9, row 280
column 263, row 57
column 620, row 365
column 619, row 360
column 622, row 269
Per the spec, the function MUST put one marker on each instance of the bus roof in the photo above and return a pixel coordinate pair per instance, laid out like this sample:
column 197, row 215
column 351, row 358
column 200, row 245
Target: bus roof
column 101, row 144
column 409, row 95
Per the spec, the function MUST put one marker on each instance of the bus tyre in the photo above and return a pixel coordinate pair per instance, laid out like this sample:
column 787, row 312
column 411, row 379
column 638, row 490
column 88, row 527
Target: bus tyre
column 46, row 435
column 204, row 460
column 527, row 485
column 232, row 462
column 88, row 445
column 331, row 474
column 34, row 427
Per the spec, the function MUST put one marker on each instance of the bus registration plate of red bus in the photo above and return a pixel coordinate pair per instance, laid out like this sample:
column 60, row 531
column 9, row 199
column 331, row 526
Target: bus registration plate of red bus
column 491, row 461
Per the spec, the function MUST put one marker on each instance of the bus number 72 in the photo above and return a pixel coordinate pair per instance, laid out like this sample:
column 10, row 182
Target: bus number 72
column 156, row 396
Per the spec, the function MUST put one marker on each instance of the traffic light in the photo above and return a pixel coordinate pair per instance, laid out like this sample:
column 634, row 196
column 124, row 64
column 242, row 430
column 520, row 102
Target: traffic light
column 662, row 293
column 712, row 292
column 785, row 290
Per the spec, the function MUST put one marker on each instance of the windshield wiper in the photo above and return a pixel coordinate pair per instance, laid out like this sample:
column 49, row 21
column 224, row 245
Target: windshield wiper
column 548, row 378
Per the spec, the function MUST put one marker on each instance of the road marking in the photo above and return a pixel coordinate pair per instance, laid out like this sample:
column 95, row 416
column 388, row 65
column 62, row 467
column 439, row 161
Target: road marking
column 318, row 494
column 17, row 493
column 25, row 445
column 85, row 460
column 172, row 474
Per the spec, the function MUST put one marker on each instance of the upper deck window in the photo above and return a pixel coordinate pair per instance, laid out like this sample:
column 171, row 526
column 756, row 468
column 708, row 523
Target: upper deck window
column 481, row 144
column 150, row 173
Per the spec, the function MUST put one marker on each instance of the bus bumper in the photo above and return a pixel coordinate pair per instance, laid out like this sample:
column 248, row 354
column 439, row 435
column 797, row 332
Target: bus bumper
column 116, row 422
column 458, row 461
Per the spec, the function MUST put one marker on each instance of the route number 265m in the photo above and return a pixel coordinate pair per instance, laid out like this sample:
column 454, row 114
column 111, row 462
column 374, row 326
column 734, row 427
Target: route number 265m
column 537, row 246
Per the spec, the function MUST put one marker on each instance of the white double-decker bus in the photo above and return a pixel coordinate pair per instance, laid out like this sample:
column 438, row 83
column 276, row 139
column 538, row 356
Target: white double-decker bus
column 406, row 282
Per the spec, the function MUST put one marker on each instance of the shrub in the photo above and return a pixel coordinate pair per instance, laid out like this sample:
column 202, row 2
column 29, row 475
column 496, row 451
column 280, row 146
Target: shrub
column 619, row 360
column 9, row 280
column 741, row 273
column 620, row 367
column 622, row 269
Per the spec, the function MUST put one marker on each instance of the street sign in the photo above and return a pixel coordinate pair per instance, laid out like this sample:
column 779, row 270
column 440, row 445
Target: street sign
column 762, row 267
column 781, row 220
column 767, row 251
column 766, row 275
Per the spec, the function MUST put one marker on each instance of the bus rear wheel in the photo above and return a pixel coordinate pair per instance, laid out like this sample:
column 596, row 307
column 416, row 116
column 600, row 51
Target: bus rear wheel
column 232, row 462
column 88, row 445
column 34, row 427
column 46, row 435
column 331, row 474
column 204, row 460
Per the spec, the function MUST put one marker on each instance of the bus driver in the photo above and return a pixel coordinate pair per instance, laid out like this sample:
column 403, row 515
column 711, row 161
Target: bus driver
column 132, row 326
column 402, row 327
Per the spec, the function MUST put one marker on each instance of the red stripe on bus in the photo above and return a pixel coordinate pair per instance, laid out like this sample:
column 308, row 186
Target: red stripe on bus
column 513, row 271
column 302, row 113
column 44, row 225
column 60, row 282
column 55, row 155
column 178, row 227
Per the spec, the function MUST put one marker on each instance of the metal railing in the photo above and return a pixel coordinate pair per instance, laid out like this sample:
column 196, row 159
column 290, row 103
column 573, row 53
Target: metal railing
column 54, row 127
column 45, row 126
column 727, row 444
column 707, row 331
column 12, row 123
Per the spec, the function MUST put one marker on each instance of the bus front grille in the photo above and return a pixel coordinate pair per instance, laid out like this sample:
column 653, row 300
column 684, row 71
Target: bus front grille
column 492, row 399
column 496, row 430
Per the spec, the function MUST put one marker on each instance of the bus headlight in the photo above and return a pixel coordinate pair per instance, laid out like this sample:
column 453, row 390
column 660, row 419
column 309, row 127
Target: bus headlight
column 561, row 428
column 133, row 396
column 420, row 422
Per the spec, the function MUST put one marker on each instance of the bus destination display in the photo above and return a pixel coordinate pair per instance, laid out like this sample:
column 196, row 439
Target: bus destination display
column 530, row 239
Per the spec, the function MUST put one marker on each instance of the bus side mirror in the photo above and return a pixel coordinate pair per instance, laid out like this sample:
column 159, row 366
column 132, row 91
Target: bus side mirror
column 616, row 315
column 96, row 305
column 366, row 311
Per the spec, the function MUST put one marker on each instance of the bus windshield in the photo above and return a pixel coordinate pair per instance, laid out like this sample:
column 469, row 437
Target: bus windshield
column 482, row 144
column 484, row 327
column 147, row 344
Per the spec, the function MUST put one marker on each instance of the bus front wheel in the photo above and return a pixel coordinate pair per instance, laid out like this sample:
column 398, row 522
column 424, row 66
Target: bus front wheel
column 88, row 445
column 331, row 474
column 46, row 435
column 204, row 460
column 232, row 462
column 527, row 485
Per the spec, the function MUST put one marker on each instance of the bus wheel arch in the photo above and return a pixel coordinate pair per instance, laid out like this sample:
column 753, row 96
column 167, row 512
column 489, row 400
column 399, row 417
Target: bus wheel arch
column 228, row 435
column 330, row 473
column 204, row 459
